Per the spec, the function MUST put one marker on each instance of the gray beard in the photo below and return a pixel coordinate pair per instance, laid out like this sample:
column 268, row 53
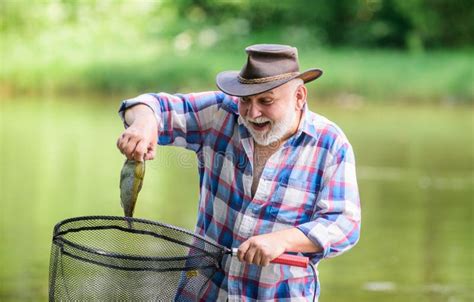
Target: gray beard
column 277, row 131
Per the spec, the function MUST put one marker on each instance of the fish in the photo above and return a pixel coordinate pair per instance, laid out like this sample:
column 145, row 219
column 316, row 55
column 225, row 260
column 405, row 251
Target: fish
column 131, row 181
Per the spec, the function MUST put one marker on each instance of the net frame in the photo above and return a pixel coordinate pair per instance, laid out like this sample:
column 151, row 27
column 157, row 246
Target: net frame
column 207, row 255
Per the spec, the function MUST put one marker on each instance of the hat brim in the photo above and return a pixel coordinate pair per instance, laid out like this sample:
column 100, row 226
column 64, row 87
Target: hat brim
column 228, row 82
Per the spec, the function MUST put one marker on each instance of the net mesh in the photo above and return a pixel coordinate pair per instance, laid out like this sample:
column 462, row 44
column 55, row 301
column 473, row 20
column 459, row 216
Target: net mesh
column 106, row 258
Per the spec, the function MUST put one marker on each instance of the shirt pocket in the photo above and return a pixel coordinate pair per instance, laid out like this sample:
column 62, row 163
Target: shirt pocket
column 293, row 202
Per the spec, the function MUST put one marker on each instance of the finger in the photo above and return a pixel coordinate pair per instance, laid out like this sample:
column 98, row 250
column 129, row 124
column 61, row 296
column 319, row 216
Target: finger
column 130, row 146
column 150, row 154
column 122, row 141
column 140, row 151
column 257, row 258
column 118, row 144
column 152, row 145
column 249, row 255
column 265, row 260
column 242, row 251
column 129, row 149
column 127, row 143
column 262, row 257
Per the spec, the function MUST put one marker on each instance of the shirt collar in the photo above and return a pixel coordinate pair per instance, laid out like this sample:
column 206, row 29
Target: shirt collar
column 305, row 127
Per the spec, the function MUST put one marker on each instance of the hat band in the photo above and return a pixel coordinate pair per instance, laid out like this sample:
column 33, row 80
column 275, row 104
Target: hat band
column 267, row 79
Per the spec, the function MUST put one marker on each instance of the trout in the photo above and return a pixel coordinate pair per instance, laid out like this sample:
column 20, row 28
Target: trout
column 131, row 181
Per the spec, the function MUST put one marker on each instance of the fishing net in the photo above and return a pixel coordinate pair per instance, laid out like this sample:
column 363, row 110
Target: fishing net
column 106, row 258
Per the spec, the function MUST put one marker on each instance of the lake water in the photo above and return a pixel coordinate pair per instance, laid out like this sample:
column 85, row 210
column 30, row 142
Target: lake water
column 415, row 168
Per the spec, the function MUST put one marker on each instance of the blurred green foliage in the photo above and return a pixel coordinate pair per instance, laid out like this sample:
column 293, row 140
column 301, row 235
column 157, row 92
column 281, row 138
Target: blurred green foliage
column 372, row 48
column 366, row 23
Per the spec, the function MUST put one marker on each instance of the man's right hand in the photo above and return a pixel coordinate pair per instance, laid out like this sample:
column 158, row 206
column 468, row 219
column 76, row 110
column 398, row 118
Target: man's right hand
column 139, row 140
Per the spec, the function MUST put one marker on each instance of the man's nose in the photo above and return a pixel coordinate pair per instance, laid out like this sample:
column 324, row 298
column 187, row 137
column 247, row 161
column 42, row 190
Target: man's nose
column 253, row 111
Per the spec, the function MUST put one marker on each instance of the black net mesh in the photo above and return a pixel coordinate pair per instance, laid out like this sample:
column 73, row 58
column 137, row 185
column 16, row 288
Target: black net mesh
column 102, row 258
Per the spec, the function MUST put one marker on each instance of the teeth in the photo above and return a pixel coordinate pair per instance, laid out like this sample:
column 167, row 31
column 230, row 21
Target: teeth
column 259, row 120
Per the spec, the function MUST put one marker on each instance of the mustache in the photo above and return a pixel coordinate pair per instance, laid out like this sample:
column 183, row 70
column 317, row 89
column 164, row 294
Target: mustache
column 259, row 120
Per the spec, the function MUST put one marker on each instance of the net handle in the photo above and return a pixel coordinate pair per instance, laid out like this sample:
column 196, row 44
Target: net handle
column 287, row 259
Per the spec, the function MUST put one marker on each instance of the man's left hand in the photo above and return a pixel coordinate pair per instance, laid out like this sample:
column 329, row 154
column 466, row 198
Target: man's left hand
column 261, row 249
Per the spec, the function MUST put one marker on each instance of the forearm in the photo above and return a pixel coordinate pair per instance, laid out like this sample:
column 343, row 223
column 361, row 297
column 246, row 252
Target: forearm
column 296, row 241
column 140, row 112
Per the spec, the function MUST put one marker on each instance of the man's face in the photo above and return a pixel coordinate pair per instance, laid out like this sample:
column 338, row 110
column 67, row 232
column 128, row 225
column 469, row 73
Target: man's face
column 273, row 115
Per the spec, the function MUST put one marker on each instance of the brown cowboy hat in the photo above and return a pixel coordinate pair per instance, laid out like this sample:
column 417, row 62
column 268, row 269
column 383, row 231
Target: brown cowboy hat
column 268, row 66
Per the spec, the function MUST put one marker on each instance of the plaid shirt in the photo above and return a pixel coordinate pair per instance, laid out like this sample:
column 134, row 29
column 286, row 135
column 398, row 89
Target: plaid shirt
column 309, row 183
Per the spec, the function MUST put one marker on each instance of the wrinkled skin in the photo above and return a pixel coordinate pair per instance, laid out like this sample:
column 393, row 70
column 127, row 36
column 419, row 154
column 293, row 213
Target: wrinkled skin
column 131, row 181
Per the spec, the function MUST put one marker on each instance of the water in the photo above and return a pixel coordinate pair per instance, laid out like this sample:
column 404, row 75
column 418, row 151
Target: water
column 415, row 166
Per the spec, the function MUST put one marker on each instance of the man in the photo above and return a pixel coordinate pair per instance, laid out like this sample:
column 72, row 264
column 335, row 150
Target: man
column 275, row 177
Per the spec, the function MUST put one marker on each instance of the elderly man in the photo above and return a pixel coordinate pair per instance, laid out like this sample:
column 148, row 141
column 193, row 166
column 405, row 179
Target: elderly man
column 275, row 177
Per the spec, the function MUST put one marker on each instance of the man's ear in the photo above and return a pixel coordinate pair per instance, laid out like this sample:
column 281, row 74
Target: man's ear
column 300, row 95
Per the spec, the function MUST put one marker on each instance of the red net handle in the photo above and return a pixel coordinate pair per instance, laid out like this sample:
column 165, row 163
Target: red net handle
column 293, row 260
column 286, row 259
